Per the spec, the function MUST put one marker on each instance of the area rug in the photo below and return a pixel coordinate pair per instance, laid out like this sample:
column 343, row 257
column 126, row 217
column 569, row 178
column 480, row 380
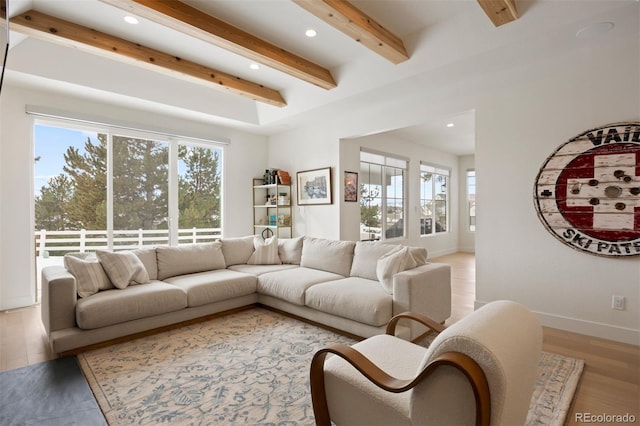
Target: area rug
column 250, row 367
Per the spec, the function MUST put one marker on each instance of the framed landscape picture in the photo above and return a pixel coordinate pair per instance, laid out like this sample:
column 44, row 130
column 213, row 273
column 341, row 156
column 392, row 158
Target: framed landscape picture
column 314, row 187
column 351, row 186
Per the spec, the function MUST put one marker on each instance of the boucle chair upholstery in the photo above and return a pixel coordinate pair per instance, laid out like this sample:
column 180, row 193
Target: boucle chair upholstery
column 480, row 370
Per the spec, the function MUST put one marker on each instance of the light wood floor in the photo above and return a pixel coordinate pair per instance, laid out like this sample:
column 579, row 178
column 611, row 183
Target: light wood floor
column 610, row 384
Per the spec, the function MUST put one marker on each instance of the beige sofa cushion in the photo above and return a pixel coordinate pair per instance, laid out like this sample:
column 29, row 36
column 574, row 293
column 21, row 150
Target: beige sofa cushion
column 365, row 258
column 354, row 298
column 214, row 286
column 291, row 284
column 328, row 255
column 88, row 272
column 237, row 251
column 189, row 258
column 149, row 260
column 123, row 268
column 260, row 269
column 290, row 250
column 139, row 301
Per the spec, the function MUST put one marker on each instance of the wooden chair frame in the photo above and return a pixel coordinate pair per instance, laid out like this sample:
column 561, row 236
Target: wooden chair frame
column 466, row 365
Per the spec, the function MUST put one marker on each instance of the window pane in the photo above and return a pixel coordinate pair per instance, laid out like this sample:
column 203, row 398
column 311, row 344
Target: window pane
column 370, row 201
column 426, row 202
column 140, row 190
column 394, row 202
column 199, row 184
column 70, row 187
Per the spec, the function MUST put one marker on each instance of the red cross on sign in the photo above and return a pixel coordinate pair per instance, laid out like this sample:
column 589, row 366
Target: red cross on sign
column 587, row 193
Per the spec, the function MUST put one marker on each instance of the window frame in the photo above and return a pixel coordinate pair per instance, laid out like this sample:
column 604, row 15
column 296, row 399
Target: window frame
column 387, row 162
column 172, row 141
column 435, row 170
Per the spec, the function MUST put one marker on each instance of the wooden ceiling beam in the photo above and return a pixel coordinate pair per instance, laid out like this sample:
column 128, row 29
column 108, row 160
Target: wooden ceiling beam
column 66, row 33
column 193, row 22
column 500, row 11
column 347, row 18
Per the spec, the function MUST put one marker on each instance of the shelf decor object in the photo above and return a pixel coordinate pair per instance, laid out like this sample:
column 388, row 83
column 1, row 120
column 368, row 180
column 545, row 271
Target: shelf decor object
column 314, row 187
column 587, row 193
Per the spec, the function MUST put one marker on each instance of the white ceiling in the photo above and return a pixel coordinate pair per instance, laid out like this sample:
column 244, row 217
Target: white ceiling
column 436, row 33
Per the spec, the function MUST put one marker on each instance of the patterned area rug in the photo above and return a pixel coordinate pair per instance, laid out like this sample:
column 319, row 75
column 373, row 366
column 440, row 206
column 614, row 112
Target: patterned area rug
column 250, row 367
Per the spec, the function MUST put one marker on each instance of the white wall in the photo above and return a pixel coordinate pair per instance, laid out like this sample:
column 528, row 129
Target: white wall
column 523, row 111
column 244, row 158
column 466, row 239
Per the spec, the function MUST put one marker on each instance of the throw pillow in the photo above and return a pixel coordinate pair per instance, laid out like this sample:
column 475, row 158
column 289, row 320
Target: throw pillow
column 123, row 268
column 266, row 252
column 89, row 274
column 389, row 265
column 290, row 250
column 365, row 258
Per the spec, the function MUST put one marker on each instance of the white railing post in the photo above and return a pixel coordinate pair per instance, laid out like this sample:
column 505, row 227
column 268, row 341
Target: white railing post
column 83, row 236
column 194, row 232
column 43, row 242
column 140, row 240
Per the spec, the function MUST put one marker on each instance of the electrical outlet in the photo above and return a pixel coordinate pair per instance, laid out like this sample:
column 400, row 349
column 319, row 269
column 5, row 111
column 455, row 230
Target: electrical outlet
column 617, row 302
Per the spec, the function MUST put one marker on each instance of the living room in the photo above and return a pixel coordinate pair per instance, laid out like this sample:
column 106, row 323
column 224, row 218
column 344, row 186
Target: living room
column 526, row 100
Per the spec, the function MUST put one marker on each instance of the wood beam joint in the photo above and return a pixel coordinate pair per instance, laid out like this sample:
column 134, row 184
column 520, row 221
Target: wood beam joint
column 347, row 18
column 499, row 11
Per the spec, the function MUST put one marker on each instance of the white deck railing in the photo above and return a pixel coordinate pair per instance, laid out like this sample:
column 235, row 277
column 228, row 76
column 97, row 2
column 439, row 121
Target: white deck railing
column 60, row 242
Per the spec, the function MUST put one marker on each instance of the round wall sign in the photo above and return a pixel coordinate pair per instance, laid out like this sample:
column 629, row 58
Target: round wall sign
column 587, row 192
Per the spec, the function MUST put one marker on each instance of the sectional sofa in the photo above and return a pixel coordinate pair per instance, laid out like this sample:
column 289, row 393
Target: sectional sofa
column 351, row 286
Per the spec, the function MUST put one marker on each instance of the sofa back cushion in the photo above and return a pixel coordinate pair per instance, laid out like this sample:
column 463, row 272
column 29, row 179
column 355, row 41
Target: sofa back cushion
column 417, row 256
column 327, row 255
column 365, row 258
column 237, row 251
column 189, row 258
column 149, row 260
column 290, row 250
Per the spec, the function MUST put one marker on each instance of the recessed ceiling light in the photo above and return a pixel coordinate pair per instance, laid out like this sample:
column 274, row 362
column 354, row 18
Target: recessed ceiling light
column 595, row 30
column 254, row 66
column 311, row 33
column 131, row 20
column 450, row 124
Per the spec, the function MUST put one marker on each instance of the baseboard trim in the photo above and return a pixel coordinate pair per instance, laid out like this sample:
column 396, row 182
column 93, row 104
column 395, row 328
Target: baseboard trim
column 589, row 328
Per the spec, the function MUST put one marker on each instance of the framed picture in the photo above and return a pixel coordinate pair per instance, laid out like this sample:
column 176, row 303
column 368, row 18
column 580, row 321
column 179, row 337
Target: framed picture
column 314, row 187
column 351, row 186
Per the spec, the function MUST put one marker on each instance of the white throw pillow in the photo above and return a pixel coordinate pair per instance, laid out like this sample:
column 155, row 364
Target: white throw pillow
column 389, row 265
column 365, row 258
column 266, row 252
column 123, row 268
column 89, row 274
